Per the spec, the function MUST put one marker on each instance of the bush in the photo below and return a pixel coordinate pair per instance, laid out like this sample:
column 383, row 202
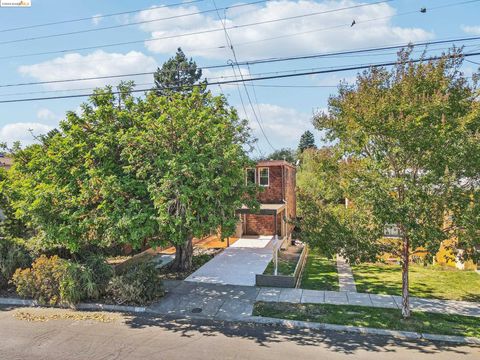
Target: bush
column 42, row 280
column 12, row 257
column 138, row 285
column 101, row 273
column 53, row 280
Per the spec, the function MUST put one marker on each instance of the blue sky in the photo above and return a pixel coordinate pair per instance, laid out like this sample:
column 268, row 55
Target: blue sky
column 284, row 112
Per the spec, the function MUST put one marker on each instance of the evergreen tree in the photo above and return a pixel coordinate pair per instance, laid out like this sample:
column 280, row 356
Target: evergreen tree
column 307, row 141
column 177, row 74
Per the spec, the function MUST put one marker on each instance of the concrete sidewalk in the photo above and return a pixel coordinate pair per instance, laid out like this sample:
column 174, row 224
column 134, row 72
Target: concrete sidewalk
column 229, row 302
column 346, row 282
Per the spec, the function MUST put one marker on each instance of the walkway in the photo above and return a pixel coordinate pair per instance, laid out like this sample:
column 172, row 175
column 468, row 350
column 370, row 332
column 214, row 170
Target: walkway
column 235, row 302
column 238, row 264
column 346, row 282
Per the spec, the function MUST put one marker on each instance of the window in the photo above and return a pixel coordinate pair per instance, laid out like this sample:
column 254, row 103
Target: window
column 391, row 231
column 264, row 177
column 251, row 176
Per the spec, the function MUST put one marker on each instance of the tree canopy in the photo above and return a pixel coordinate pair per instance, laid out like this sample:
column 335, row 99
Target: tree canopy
column 307, row 141
column 177, row 74
column 286, row 154
column 155, row 171
column 408, row 143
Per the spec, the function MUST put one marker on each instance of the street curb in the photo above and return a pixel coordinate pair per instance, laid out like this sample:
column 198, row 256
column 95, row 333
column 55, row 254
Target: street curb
column 290, row 324
column 108, row 307
column 18, row 302
column 80, row 306
column 407, row 335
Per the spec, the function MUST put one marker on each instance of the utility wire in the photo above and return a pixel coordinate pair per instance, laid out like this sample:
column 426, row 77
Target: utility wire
column 230, row 44
column 207, row 31
column 98, row 16
column 129, row 24
column 341, row 69
column 278, row 37
column 259, row 61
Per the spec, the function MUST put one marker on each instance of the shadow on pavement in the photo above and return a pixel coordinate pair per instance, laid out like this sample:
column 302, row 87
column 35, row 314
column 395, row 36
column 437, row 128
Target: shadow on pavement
column 264, row 335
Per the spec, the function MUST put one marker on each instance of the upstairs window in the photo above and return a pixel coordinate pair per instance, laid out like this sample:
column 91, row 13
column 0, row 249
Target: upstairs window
column 251, row 176
column 264, row 177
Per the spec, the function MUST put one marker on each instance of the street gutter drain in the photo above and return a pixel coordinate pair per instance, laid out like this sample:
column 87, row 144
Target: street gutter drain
column 197, row 310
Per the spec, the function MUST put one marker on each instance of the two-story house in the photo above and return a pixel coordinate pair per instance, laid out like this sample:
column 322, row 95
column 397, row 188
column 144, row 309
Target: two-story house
column 278, row 203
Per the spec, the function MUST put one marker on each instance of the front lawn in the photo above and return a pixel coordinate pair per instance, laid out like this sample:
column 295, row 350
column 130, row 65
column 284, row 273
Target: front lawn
column 320, row 273
column 372, row 317
column 285, row 267
column 427, row 282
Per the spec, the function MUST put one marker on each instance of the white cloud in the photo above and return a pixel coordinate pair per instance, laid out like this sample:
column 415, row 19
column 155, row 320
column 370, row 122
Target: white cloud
column 98, row 63
column 212, row 44
column 25, row 132
column 472, row 30
column 96, row 19
column 46, row 114
column 282, row 125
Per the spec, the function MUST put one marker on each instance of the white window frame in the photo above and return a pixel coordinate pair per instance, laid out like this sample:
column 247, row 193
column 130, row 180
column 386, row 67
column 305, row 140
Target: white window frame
column 391, row 231
column 260, row 177
column 254, row 175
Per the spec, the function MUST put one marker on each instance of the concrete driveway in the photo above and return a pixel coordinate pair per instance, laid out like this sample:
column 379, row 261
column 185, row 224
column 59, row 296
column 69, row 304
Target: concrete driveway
column 237, row 265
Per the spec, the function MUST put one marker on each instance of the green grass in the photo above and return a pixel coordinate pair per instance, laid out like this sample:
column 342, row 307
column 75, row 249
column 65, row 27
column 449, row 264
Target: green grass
column 320, row 273
column 422, row 322
column 427, row 282
column 285, row 267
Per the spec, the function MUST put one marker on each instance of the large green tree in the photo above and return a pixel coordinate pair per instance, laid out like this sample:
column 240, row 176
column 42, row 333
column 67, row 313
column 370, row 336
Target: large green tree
column 177, row 74
column 154, row 171
column 409, row 141
column 190, row 153
column 72, row 188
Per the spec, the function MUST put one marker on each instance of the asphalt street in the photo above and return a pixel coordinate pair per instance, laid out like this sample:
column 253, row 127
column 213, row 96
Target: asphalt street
column 49, row 334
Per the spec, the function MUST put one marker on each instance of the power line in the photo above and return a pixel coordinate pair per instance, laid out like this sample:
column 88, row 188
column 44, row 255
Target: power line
column 473, row 62
column 129, row 24
column 259, row 61
column 97, row 16
column 229, row 42
column 208, row 31
column 356, row 23
column 342, row 69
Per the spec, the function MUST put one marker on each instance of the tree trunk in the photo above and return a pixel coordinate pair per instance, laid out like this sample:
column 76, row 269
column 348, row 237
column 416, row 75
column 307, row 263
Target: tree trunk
column 183, row 256
column 405, row 291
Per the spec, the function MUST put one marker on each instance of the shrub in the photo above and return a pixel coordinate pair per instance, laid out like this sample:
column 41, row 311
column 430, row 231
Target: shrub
column 52, row 280
column 97, row 272
column 42, row 280
column 12, row 257
column 137, row 285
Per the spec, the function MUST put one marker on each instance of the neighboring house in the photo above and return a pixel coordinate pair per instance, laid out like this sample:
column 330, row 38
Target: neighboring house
column 5, row 161
column 278, row 202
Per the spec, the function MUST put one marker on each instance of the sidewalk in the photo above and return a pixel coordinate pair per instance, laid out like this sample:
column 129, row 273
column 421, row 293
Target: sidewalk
column 346, row 282
column 230, row 302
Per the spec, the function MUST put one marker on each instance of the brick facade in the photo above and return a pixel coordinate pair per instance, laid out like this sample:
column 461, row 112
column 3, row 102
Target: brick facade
column 259, row 224
column 280, row 190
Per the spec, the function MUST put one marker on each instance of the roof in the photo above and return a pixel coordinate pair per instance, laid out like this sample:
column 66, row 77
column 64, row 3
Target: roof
column 265, row 209
column 275, row 163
